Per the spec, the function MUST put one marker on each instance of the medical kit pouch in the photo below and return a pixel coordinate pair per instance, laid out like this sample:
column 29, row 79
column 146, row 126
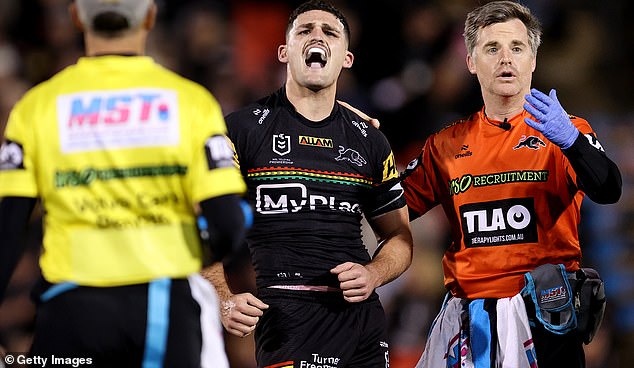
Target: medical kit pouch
column 548, row 288
column 590, row 303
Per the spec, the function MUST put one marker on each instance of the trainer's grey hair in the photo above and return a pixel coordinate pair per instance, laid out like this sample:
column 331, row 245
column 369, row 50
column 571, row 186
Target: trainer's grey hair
column 500, row 12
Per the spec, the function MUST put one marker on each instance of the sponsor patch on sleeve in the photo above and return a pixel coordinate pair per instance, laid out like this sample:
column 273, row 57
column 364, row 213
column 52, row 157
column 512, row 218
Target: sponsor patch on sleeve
column 11, row 156
column 594, row 142
column 219, row 152
column 389, row 168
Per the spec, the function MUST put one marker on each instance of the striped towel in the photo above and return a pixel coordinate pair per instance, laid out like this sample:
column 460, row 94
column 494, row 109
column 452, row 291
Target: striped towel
column 475, row 333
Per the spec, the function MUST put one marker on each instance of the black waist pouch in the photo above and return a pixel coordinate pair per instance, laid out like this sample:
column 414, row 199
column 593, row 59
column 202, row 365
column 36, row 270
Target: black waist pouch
column 566, row 301
column 590, row 304
column 548, row 288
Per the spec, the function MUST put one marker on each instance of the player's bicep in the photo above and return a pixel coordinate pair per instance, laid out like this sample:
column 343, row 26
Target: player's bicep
column 384, row 198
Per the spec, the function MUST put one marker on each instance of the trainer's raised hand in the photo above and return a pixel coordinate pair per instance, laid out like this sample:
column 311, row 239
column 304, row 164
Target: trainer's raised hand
column 552, row 120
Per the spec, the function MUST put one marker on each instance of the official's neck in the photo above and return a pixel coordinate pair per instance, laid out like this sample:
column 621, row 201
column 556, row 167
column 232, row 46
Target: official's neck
column 128, row 44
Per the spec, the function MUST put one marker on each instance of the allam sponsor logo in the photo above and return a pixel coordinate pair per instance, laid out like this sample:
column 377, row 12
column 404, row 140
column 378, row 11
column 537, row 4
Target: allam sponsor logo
column 468, row 181
column 305, row 140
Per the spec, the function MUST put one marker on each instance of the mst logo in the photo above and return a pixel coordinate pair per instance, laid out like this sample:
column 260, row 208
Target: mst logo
column 125, row 118
column 553, row 294
column 293, row 197
column 509, row 221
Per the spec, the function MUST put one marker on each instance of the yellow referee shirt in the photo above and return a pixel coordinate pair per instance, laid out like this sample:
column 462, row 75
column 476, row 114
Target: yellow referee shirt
column 119, row 149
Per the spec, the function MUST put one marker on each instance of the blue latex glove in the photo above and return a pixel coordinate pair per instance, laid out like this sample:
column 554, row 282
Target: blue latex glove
column 552, row 120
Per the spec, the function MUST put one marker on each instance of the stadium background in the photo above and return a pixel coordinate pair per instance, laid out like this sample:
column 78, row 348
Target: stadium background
column 409, row 71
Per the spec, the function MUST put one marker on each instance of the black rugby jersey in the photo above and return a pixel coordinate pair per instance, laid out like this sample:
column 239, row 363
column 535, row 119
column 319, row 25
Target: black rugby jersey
column 308, row 183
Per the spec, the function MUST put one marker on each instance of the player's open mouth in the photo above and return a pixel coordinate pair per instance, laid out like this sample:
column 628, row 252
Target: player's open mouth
column 316, row 57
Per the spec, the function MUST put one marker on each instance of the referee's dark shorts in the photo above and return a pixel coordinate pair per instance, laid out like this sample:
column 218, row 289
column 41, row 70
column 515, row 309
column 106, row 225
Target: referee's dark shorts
column 320, row 329
column 152, row 325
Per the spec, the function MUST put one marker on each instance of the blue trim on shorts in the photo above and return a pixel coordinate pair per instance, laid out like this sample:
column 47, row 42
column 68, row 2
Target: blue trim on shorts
column 248, row 214
column 158, row 313
column 57, row 289
column 480, row 327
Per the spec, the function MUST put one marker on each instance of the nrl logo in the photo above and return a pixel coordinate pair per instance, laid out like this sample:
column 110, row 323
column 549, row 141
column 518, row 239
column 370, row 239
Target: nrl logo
column 281, row 144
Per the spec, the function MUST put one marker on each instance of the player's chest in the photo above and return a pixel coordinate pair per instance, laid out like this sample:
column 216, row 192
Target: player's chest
column 324, row 151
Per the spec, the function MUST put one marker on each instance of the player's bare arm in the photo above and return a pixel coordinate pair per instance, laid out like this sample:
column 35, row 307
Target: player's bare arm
column 239, row 312
column 391, row 259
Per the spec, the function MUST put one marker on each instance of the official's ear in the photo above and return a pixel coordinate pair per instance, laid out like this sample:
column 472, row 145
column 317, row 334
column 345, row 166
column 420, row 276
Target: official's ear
column 282, row 54
column 150, row 17
column 74, row 16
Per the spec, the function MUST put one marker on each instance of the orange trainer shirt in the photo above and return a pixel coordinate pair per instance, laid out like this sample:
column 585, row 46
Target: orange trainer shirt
column 511, row 199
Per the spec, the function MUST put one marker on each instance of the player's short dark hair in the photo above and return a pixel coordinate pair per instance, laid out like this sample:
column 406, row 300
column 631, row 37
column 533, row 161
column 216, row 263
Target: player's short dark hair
column 500, row 12
column 318, row 5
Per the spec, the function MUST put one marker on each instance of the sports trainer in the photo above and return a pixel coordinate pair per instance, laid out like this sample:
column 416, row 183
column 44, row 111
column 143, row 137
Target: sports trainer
column 120, row 151
column 510, row 179
column 313, row 168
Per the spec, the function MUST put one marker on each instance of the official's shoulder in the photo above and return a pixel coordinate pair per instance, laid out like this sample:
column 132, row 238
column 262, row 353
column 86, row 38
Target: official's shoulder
column 185, row 84
column 44, row 89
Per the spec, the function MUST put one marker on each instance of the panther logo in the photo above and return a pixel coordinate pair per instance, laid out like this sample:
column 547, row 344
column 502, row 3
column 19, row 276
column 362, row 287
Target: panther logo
column 350, row 155
column 531, row 142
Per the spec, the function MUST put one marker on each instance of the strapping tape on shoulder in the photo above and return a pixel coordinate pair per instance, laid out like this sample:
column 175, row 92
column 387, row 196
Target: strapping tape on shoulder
column 549, row 289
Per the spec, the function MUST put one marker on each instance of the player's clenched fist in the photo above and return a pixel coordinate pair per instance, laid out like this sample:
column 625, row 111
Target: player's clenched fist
column 241, row 312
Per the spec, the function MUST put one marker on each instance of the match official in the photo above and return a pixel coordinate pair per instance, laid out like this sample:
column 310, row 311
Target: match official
column 120, row 151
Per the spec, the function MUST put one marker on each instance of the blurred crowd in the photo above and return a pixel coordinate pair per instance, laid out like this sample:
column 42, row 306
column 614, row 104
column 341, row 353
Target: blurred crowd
column 409, row 71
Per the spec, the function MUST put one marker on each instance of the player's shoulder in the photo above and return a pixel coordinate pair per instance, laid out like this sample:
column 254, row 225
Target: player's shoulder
column 254, row 114
column 352, row 121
